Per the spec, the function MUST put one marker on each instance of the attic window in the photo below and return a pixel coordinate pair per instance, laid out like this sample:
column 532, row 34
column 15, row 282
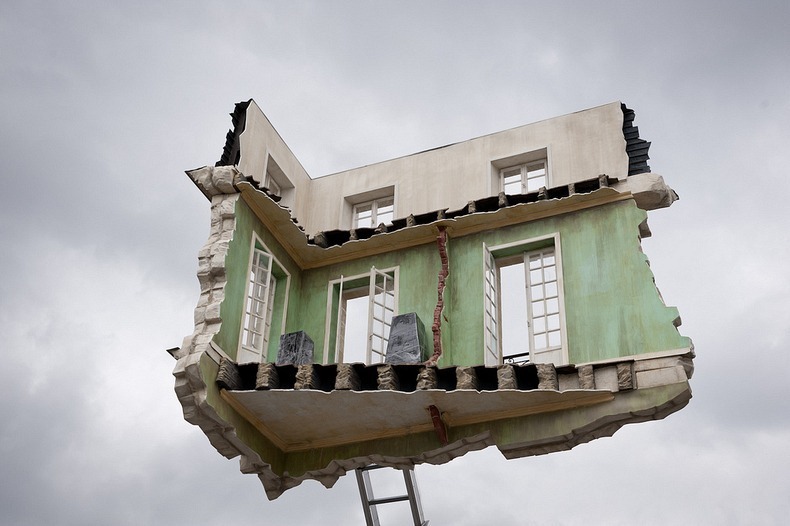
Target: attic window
column 522, row 173
column 373, row 213
column 278, row 183
column 272, row 185
column 369, row 209
column 524, row 178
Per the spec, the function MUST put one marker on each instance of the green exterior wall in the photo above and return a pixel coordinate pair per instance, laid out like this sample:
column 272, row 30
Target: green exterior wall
column 242, row 427
column 612, row 307
column 236, row 263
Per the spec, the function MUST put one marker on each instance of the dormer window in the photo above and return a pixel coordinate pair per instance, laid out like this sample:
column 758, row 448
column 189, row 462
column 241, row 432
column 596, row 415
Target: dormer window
column 373, row 213
column 278, row 183
column 521, row 173
column 524, row 178
column 273, row 186
column 369, row 209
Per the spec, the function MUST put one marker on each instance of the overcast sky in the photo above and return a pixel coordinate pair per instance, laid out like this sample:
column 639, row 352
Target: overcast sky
column 104, row 108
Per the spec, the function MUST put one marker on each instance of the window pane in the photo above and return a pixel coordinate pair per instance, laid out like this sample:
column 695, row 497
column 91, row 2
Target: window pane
column 383, row 217
column 551, row 289
column 536, row 292
column 535, row 183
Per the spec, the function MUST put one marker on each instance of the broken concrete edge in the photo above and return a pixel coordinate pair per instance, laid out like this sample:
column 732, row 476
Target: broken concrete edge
column 275, row 486
column 603, row 424
column 192, row 390
column 223, row 438
column 190, row 386
column 614, row 375
column 648, row 190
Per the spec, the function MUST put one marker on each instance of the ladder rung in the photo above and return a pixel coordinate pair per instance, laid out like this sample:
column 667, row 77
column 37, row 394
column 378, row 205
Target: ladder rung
column 369, row 503
column 387, row 500
column 371, row 467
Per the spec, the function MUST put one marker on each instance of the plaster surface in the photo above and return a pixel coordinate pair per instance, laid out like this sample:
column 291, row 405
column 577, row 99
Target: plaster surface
column 298, row 421
column 579, row 146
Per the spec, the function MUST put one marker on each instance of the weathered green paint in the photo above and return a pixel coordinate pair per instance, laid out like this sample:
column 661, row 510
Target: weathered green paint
column 505, row 432
column 236, row 263
column 242, row 427
column 418, row 270
column 612, row 309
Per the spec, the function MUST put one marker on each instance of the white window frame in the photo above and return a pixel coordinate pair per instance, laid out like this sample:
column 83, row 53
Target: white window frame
column 349, row 211
column 519, row 252
column 278, row 183
column 527, row 173
column 382, row 292
column 519, row 160
column 264, row 294
column 375, row 206
column 273, row 186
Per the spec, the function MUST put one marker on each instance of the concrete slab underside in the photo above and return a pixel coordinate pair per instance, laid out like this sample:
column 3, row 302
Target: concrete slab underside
column 302, row 420
column 538, row 430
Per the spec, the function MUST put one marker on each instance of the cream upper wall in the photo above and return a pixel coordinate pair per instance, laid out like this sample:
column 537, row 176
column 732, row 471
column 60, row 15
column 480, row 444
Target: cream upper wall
column 580, row 146
column 258, row 141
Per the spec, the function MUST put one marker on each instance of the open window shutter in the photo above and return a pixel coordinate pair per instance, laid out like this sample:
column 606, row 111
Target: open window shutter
column 257, row 313
column 491, row 294
column 381, row 310
column 340, row 330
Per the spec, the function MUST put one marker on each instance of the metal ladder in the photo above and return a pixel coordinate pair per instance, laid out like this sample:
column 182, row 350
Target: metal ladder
column 369, row 502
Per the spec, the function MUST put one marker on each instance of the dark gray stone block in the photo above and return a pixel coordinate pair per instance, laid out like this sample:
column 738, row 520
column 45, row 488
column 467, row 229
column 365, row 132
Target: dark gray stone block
column 296, row 348
column 406, row 343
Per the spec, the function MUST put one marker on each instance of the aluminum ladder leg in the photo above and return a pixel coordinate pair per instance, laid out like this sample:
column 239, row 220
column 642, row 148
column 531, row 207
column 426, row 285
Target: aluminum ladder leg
column 369, row 502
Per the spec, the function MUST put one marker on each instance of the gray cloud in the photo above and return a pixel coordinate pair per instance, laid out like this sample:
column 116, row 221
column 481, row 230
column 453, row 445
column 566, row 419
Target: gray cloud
column 104, row 108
